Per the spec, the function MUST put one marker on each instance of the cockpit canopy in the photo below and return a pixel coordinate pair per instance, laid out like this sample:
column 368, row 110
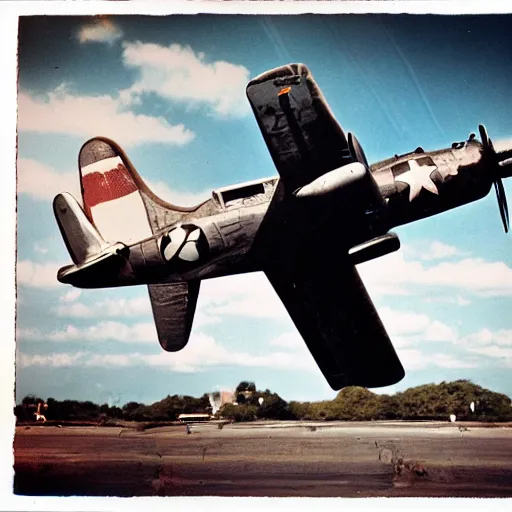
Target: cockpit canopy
column 245, row 194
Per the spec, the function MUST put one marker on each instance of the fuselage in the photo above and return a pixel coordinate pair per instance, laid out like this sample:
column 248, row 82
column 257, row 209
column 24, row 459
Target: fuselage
column 242, row 229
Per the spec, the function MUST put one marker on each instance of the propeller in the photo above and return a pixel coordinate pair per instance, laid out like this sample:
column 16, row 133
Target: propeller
column 489, row 153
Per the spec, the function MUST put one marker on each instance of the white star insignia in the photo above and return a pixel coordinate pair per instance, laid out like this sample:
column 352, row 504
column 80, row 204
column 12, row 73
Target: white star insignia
column 418, row 177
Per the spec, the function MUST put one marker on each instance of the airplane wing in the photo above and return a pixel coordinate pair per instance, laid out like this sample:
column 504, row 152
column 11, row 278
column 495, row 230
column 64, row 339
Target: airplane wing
column 319, row 286
column 174, row 305
column 301, row 133
column 333, row 312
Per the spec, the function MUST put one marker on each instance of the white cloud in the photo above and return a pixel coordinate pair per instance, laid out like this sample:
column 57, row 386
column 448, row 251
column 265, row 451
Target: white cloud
column 461, row 301
column 433, row 251
column 43, row 183
column 109, row 360
column 37, row 275
column 494, row 351
column 503, row 145
column 399, row 323
column 178, row 198
column 88, row 116
column 406, row 328
column 202, row 352
column 413, row 359
column 24, row 333
column 178, row 73
column 99, row 31
column 114, row 331
column 201, row 319
column 490, row 344
column 290, row 340
column 51, row 360
column 39, row 248
column 501, row 337
column 71, row 296
column 249, row 295
column 103, row 331
column 437, row 331
column 393, row 275
column 137, row 306
column 76, row 310
column 448, row 299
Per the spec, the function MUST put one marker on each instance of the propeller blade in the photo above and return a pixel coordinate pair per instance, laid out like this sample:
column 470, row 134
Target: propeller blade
column 502, row 203
column 356, row 150
column 494, row 163
column 483, row 136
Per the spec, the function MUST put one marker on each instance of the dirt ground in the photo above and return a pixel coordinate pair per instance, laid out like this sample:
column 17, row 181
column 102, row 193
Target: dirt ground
column 274, row 459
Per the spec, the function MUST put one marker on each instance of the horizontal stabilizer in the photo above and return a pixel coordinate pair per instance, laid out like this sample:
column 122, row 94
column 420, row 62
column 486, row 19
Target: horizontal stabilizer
column 96, row 263
column 174, row 306
column 81, row 238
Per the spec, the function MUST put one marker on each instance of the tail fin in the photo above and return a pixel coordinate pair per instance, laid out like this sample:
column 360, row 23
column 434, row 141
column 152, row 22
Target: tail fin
column 111, row 192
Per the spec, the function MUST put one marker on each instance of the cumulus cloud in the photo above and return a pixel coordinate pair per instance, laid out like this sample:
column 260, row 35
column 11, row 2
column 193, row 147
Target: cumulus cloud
column 502, row 337
column 414, row 359
column 503, row 145
column 110, row 360
column 138, row 306
column 43, row 183
column 71, row 296
column 394, row 275
column 249, row 295
column 55, row 360
column 28, row 333
column 75, row 310
column 432, row 251
column 192, row 357
column 290, row 340
column 460, row 301
column 178, row 73
column 111, row 331
column 100, row 30
column 121, row 308
column 407, row 328
column 40, row 248
column 178, row 198
column 62, row 112
column 202, row 352
column 37, row 275
column 104, row 331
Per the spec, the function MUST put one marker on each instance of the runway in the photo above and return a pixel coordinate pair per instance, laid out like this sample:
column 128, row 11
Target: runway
column 269, row 459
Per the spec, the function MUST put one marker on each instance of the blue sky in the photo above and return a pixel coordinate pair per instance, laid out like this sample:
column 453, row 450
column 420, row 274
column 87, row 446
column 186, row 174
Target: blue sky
column 171, row 90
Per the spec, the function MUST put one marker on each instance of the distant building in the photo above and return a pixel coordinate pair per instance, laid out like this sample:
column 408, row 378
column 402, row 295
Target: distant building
column 227, row 397
column 220, row 398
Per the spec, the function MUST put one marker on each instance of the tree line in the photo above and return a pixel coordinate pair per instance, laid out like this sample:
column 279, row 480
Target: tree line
column 426, row 402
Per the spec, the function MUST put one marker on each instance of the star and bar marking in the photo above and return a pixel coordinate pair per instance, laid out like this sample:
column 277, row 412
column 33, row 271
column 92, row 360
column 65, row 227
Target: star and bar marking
column 418, row 177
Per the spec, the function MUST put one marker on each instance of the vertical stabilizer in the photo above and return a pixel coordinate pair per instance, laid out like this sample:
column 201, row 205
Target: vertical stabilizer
column 111, row 193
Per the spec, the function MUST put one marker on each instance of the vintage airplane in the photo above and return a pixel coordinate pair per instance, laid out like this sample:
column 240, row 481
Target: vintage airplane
column 306, row 230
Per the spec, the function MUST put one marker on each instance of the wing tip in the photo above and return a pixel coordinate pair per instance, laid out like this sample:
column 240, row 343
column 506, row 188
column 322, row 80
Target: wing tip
column 374, row 380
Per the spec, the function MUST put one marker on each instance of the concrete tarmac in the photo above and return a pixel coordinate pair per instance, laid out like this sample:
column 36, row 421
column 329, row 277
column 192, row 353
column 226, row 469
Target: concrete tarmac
column 344, row 459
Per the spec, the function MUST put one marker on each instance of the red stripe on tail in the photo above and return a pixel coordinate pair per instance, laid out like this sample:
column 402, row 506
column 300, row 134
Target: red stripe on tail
column 100, row 187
